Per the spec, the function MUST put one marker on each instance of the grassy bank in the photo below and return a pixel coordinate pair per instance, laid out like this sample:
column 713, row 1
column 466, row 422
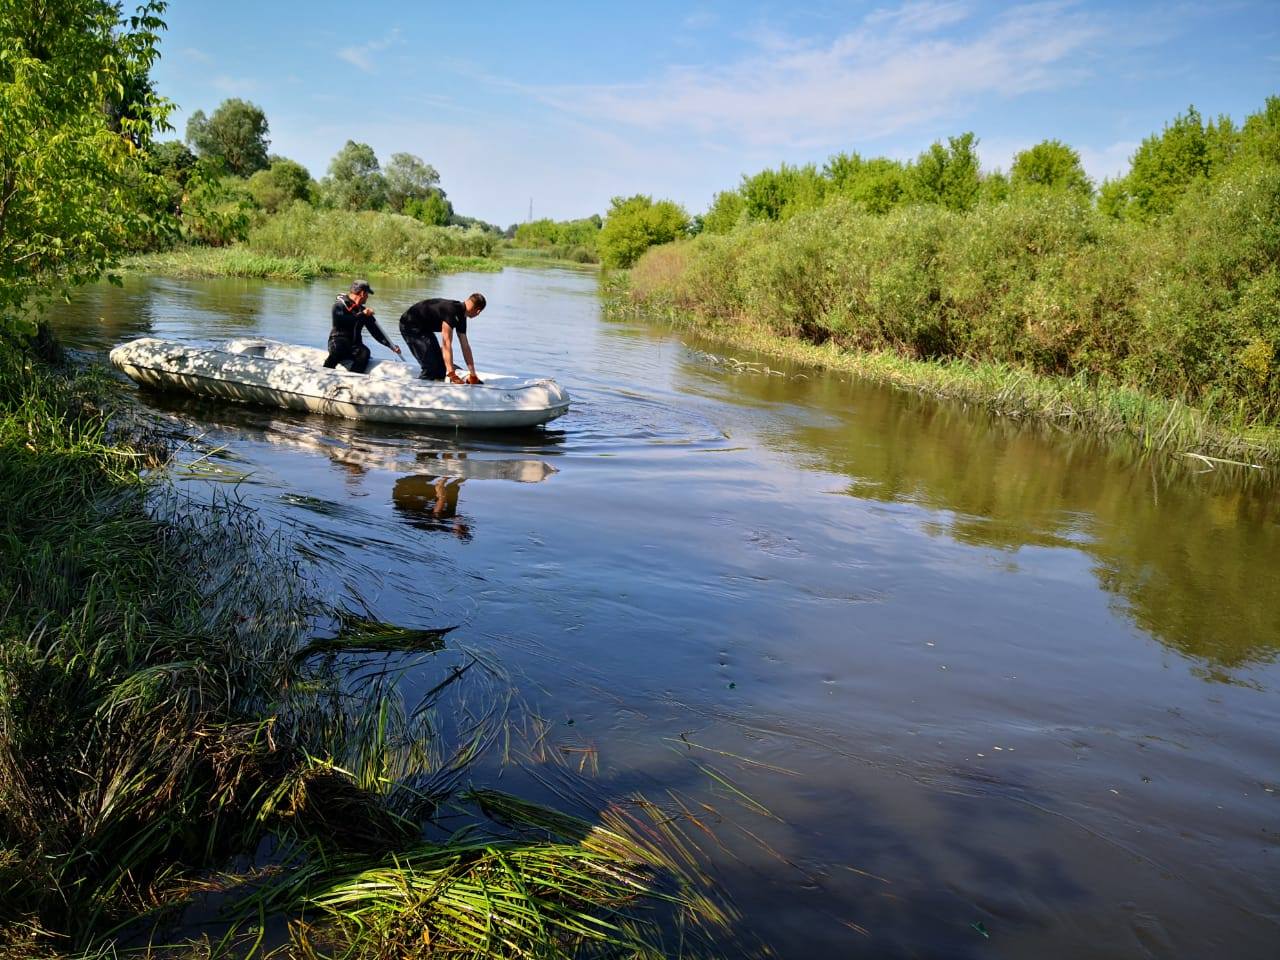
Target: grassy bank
column 1040, row 307
column 165, row 717
column 240, row 261
column 1157, row 424
column 545, row 257
column 303, row 243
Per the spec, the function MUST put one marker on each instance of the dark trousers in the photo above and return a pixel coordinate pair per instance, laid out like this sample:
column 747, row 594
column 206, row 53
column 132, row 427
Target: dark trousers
column 425, row 349
column 354, row 356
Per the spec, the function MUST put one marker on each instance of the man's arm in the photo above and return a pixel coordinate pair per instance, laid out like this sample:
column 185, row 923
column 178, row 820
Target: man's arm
column 446, row 339
column 466, row 353
column 376, row 331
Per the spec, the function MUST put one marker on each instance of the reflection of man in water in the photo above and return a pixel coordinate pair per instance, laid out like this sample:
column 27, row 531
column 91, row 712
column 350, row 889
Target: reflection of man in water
column 431, row 503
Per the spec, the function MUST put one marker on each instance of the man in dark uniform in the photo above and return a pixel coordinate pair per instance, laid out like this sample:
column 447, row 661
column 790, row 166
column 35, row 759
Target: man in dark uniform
column 420, row 324
column 350, row 315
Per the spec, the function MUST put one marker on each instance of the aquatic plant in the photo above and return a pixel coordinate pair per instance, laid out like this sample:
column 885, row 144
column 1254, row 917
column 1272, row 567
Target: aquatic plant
column 180, row 718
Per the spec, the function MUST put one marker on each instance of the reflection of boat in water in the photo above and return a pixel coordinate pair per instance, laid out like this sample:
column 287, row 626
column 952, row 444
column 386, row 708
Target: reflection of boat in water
column 284, row 375
column 347, row 448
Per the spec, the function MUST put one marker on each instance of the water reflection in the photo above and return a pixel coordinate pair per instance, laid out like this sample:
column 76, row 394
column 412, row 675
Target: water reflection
column 1179, row 552
column 431, row 504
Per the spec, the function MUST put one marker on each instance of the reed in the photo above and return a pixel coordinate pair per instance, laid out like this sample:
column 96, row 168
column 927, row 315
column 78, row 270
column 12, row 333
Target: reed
column 172, row 696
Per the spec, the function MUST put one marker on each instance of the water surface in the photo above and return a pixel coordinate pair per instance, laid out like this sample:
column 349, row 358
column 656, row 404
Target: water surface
column 992, row 690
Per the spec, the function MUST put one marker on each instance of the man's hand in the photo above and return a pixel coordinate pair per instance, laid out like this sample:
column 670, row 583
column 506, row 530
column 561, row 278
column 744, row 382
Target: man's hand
column 454, row 378
column 473, row 379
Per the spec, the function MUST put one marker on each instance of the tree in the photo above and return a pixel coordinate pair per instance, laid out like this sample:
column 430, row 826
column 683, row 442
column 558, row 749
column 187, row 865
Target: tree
column 877, row 185
column 947, row 175
column 1167, row 164
column 726, row 212
column 635, row 224
column 408, row 178
column 76, row 187
column 236, row 134
column 773, row 194
column 355, row 181
column 280, row 184
column 434, row 209
column 1050, row 165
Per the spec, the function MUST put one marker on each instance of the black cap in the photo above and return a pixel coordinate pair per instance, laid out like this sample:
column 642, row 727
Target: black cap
column 358, row 285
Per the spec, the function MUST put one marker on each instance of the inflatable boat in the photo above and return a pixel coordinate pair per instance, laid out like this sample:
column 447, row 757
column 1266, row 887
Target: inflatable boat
column 284, row 375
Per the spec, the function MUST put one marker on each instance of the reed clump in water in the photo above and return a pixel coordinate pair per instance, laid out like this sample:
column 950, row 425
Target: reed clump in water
column 161, row 716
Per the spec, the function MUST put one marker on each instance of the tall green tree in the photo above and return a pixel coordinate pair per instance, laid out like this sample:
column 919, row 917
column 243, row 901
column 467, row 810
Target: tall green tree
column 76, row 189
column 434, row 209
column 355, row 180
column 1188, row 151
column 634, row 224
column 408, row 178
column 1051, row 165
column 949, row 176
column 236, row 134
column 280, row 184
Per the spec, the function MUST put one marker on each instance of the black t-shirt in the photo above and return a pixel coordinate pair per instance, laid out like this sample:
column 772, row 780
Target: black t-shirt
column 428, row 315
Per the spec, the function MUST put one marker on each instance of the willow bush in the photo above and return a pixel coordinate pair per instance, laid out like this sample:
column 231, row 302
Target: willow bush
column 1186, row 307
column 386, row 239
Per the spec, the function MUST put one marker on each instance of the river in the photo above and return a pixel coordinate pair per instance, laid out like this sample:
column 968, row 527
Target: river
column 938, row 684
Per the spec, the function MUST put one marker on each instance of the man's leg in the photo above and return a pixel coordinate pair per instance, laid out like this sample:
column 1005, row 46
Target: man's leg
column 339, row 350
column 426, row 350
column 359, row 358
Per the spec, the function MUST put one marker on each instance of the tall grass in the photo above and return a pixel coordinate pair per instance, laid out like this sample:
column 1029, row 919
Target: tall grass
column 164, row 709
column 1180, row 312
column 387, row 239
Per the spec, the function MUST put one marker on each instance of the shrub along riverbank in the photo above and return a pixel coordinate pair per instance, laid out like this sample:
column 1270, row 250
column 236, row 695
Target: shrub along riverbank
column 163, row 712
column 303, row 242
column 1040, row 305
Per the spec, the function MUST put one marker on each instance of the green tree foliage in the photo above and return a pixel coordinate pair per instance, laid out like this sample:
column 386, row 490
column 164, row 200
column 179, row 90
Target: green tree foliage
column 948, row 176
column 218, row 207
column 1260, row 136
column 236, row 135
column 280, row 184
column 877, row 185
column 355, row 180
column 408, row 178
column 1050, row 165
column 634, row 224
column 76, row 187
column 773, row 194
column 728, row 209
column 434, row 209
column 557, row 233
column 173, row 162
column 1187, row 152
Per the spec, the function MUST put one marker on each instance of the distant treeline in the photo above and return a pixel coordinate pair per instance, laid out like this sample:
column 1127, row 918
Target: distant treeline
column 223, row 187
column 1167, row 278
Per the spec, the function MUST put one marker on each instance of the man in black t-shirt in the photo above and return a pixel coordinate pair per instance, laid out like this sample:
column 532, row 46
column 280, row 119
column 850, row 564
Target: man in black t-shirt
column 420, row 324
column 346, row 346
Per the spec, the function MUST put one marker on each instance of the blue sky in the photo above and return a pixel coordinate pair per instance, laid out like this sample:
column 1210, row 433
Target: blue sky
column 569, row 104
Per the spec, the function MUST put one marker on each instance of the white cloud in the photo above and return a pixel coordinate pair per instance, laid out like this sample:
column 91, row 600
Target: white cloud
column 192, row 53
column 362, row 56
column 235, row 86
column 893, row 71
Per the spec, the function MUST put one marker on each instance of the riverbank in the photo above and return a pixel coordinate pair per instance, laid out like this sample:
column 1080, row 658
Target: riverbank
column 165, row 714
column 238, row 261
column 1040, row 306
column 1156, row 424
